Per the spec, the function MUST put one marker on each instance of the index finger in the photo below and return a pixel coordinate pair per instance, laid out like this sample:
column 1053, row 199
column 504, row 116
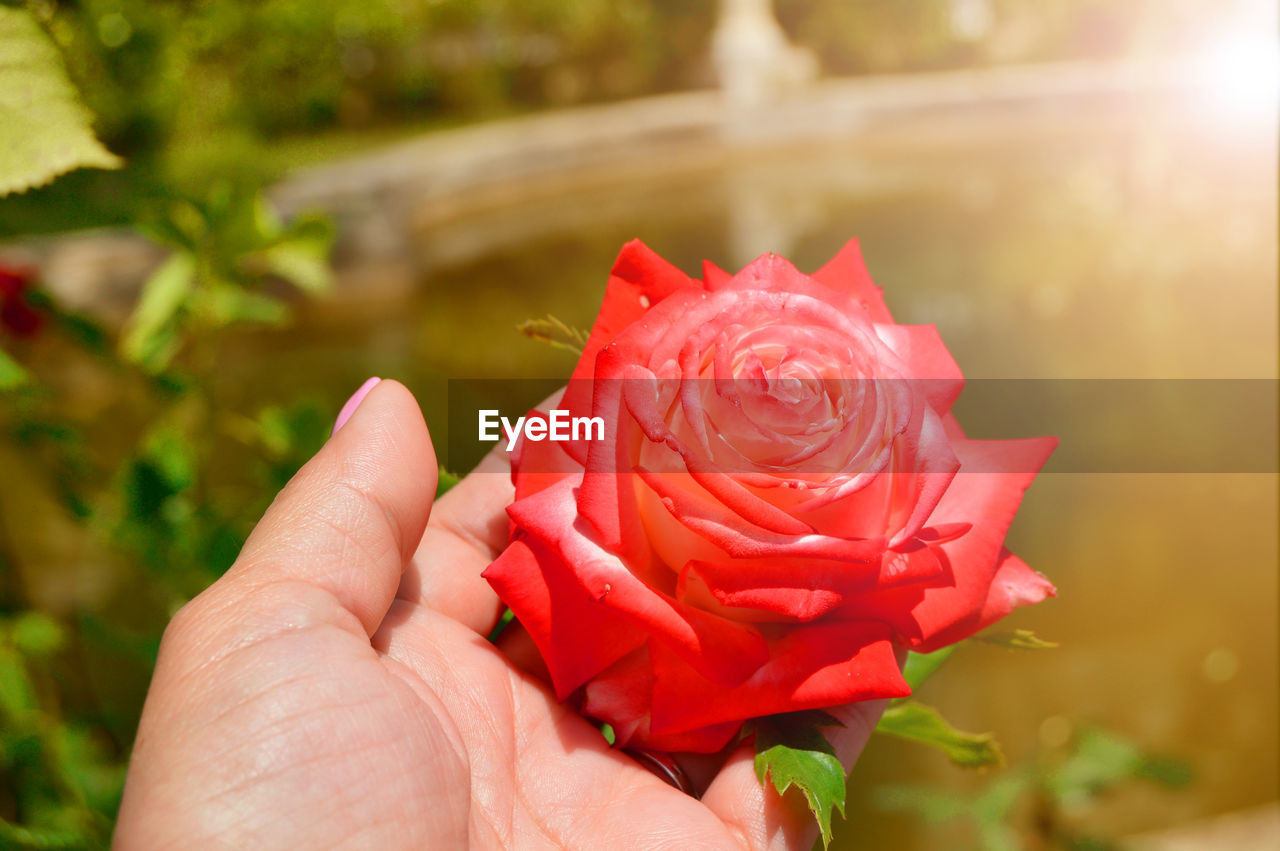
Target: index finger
column 467, row 530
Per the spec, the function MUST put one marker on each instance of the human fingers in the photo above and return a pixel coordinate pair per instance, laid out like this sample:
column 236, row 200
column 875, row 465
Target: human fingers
column 347, row 523
column 469, row 528
column 467, row 531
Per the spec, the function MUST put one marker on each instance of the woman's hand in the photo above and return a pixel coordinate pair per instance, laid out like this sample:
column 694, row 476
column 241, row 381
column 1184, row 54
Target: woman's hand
column 336, row 688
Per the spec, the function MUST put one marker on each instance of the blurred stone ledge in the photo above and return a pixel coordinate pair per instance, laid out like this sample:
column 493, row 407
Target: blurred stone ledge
column 403, row 211
column 1256, row 829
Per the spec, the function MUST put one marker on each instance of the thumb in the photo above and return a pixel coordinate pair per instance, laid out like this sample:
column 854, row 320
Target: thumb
column 351, row 518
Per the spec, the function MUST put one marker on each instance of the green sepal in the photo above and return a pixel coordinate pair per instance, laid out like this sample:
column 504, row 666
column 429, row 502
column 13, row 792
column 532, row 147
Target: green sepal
column 1019, row 639
column 555, row 332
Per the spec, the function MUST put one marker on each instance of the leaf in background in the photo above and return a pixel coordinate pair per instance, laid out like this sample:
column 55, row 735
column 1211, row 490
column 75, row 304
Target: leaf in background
column 274, row 431
column 37, row 634
column 556, row 333
column 45, row 839
column 17, row 692
column 143, row 490
column 89, row 767
column 130, row 643
column 921, row 666
column 225, row 304
column 993, row 810
column 933, row 806
column 989, row 813
column 1101, row 759
column 302, row 255
column 445, row 482
column 286, row 436
column 303, row 265
column 1166, row 770
column 45, row 130
column 919, row 723
column 179, row 224
column 150, row 340
column 12, row 375
column 80, row 328
column 170, row 451
column 1019, row 639
column 790, row 749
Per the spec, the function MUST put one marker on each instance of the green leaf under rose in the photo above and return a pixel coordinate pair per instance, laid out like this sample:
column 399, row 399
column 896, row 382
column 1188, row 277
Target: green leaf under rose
column 791, row 750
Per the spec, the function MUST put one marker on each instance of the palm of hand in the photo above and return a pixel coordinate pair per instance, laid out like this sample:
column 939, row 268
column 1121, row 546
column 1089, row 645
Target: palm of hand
column 336, row 689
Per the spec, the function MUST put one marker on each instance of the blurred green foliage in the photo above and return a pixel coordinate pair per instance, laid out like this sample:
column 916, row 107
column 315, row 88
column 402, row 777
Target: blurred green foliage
column 224, row 250
column 62, row 776
column 197, row 92
column 163, row 506
column 1044, row 802
column 160, row 500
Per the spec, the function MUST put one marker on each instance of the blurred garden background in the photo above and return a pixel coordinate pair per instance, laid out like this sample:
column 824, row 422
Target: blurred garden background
column 292, row 195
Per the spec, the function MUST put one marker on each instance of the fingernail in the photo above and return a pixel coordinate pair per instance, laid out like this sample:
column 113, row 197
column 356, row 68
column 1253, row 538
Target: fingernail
column 353, row 403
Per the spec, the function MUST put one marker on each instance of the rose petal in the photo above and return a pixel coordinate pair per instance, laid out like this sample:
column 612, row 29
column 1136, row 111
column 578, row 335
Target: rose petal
column 944, row 610
column 924, row 467
column 537, row 465
column 1014, row 584
column 622, row 695
column 724, row 650
column 713, row 277
column 577, row 637
column 813, row 666
column 847, row 273
column 639, row 280
column 931, row 369
column 740, row 539
column 802, row 590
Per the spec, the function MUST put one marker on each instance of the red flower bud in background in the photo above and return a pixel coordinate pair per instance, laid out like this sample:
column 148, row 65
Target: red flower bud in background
column 18, row 317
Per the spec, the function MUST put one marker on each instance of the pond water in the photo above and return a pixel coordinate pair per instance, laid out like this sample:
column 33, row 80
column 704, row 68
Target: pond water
column 1128, row 238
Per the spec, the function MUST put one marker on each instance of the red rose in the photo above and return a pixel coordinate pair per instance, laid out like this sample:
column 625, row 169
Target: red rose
column 781, row 497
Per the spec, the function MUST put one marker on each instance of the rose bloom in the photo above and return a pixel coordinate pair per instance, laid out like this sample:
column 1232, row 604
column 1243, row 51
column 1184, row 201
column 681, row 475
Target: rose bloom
column 781, row 500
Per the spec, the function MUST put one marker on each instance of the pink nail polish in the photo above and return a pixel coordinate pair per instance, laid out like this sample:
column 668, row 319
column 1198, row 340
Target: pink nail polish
column 354, row 402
